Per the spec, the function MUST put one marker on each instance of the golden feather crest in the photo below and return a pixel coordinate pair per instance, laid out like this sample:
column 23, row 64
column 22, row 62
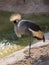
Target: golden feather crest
column 13, row 17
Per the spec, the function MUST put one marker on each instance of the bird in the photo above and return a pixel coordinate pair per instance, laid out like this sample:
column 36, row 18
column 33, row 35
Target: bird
column 26, row 27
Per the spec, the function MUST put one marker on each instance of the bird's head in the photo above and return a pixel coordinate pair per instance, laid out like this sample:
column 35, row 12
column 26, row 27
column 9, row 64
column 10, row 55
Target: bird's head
column 15, row 18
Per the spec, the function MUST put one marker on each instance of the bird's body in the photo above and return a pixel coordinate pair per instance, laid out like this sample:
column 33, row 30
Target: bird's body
column 26, row 27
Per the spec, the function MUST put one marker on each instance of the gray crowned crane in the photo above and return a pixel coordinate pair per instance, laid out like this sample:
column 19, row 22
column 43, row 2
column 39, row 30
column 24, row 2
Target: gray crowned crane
column 26, row 27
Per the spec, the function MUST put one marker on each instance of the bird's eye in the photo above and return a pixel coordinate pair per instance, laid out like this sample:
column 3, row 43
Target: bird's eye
column 15, row 21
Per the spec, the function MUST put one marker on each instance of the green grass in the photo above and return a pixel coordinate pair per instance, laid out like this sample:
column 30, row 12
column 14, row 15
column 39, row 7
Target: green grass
column 6, row 27
column 40, row 19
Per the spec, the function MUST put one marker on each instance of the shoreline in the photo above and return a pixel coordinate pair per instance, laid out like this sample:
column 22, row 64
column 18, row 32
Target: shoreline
column 20, row 55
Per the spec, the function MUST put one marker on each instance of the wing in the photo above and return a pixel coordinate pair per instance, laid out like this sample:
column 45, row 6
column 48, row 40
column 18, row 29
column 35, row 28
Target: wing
column 30, row 27
column 28, row 24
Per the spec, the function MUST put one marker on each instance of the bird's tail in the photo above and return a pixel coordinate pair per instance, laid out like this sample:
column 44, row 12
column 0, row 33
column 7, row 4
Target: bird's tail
column 38, row 34
column 43, row 38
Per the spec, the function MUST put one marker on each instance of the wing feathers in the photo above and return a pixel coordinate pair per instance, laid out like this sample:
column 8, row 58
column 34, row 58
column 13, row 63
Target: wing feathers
column 38, row 34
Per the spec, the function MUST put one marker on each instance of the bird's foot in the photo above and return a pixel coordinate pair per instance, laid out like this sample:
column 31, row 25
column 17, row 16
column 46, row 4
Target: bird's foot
column 27, row 56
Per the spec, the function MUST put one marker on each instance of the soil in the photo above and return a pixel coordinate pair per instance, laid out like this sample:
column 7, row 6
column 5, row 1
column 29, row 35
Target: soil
column 39, row 56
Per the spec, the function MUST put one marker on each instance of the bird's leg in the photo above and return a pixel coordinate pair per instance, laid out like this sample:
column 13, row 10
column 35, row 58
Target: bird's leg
column 30, row 47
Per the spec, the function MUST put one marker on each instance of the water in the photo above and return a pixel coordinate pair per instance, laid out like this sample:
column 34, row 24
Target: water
column 7, row 48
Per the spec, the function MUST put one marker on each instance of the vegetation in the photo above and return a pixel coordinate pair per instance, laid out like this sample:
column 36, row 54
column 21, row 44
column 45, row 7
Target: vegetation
column 41, row 19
